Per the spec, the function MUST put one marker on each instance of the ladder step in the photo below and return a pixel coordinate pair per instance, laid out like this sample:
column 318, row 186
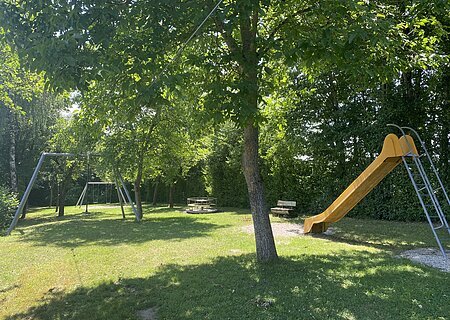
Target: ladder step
column 426, row 191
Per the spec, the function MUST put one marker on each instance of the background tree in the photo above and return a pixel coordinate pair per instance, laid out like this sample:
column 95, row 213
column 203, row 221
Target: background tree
column 104, row 40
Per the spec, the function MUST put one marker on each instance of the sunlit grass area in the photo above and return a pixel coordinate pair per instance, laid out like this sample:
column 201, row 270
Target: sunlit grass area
column 99, row 266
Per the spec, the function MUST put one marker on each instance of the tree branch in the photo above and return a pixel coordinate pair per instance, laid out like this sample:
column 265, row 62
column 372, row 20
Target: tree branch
column 285, row 21
column 229, row 40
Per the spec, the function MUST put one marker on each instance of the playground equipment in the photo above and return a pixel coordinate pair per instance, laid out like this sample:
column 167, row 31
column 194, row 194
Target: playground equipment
column 201, row 205
column 27, row 192
column 107, row 194
column 430, row 191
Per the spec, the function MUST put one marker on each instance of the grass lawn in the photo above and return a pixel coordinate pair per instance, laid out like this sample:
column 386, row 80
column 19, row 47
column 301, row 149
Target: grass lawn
column 99, row 266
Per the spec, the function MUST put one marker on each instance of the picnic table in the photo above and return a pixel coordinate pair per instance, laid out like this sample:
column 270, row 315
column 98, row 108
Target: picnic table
column 201, row 205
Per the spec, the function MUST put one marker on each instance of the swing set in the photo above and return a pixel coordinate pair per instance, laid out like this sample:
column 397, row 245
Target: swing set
column 106, row 193
column 123, row 194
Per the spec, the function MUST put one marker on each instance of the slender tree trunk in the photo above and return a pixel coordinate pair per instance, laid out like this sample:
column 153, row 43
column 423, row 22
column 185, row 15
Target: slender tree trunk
column 63, row 188
column 155, row 192
column 171, row 195
column 57, row 196
column 61, row 200
column 24, row 211
column 138, row 195
column 51, row 196
column 12, row 151
column 148, row 192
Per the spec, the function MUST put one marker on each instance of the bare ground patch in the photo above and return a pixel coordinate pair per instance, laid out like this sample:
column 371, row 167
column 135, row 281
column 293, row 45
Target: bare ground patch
column 280, row 229
column 147, row 314
column 428, row 256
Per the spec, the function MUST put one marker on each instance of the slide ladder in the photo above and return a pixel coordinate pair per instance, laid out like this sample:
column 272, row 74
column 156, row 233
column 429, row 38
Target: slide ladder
column 430, row 191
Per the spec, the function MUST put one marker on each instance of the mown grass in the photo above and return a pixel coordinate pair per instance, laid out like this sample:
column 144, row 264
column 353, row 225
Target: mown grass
column 99, row 266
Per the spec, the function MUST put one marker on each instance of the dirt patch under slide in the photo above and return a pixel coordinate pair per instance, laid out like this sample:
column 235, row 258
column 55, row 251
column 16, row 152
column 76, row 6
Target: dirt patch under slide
column 286, row 230
column 280, row 229
column 428, row 256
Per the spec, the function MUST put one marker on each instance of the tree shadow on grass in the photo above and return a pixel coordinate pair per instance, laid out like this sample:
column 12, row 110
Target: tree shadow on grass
column 76, row 231
column 384, row 234
column 390, row 235
column 346, row 285
column 148, row 209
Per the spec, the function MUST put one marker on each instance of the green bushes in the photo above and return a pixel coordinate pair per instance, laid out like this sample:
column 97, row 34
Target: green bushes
column 8, row 202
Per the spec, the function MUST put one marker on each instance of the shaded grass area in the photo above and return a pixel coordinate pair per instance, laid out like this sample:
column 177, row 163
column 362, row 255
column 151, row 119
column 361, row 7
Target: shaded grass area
column 98, row 228
column 387, row 234
column 99, row 266
column 358, row 285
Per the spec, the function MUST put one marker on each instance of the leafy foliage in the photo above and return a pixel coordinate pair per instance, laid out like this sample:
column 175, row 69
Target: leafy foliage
column 8, row 203
column 320, row 81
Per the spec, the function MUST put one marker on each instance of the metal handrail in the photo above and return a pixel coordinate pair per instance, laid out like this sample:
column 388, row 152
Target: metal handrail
column 422, row 144
column 427, row 186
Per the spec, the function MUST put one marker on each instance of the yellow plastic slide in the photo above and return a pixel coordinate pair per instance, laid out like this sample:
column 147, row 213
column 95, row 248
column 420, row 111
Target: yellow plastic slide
column 391, row 155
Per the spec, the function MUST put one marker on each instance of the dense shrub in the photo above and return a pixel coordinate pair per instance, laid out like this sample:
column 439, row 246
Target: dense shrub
column 8, row 202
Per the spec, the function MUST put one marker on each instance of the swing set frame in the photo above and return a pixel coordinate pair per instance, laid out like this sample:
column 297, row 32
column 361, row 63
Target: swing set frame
column 118, row 179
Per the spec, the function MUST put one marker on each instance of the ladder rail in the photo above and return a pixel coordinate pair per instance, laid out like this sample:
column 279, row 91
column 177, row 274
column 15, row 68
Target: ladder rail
column 430, row 160
column 427, row 186
column 441, row 212
column 431, row 193
column 424, row 207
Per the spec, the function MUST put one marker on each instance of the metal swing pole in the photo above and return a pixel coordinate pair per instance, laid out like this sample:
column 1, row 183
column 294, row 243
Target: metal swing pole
column 129, row 197
column 27, row 192
column 81, row 199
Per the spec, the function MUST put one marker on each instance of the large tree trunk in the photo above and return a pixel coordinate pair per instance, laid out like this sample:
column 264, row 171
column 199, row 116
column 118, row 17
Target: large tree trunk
column 247, row 57
column 265, row 244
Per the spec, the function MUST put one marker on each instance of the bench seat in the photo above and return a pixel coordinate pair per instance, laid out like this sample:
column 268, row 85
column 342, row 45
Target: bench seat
column 284, row 208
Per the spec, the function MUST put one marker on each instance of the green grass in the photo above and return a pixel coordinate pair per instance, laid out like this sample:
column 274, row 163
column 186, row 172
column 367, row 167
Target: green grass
column 99, row 266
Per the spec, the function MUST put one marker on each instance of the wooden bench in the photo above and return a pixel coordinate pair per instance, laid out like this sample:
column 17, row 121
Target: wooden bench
column 284, row 208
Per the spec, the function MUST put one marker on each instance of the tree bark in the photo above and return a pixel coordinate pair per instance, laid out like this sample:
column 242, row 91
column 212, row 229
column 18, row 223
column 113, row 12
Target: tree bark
column 265, row 244
column 138, row 195
column 64, row 186
column 57, row 196
column 171, row 195
column 24, row 211
column 245, row 54
column 51, row 196
column 62, row 200
column 12, row 151
column 155, row 192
